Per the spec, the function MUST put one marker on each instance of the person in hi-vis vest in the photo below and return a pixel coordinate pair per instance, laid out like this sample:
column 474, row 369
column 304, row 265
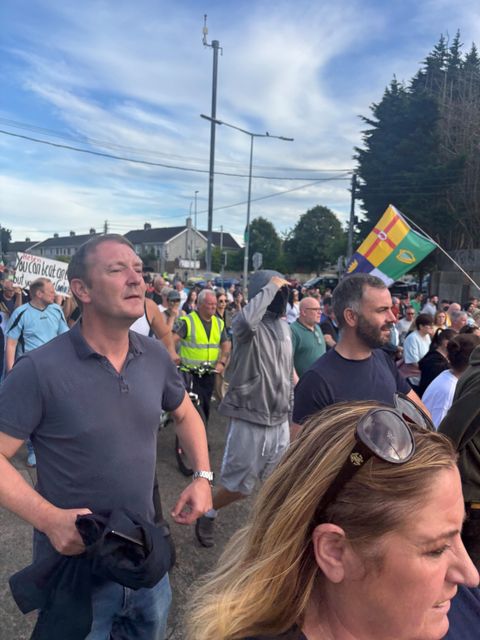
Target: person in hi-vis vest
column 203, row 339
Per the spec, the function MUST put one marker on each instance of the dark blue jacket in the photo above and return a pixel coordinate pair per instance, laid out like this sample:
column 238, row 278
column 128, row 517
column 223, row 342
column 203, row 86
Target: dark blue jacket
column 61, row 586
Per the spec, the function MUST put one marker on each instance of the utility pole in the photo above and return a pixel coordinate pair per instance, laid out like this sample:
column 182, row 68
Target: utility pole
column 215, row 45
column 222, row 266
column 351, row 223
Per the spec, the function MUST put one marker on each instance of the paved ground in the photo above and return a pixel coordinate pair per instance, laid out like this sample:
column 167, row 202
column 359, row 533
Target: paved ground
column 192, row 559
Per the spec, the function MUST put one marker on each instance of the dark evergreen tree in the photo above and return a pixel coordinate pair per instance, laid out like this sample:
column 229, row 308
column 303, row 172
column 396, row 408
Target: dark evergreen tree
column 420, row 151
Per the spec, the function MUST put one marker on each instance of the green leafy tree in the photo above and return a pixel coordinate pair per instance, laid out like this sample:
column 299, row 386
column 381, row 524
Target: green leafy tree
column 234, row 260
column 317, row 240
column 264, row 239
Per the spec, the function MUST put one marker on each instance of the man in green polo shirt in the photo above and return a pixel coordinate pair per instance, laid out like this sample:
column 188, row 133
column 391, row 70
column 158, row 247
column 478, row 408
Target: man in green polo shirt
column 307, row 338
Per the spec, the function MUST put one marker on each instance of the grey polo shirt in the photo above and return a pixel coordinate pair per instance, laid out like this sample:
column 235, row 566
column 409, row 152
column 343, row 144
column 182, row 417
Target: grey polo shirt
column 94, row 430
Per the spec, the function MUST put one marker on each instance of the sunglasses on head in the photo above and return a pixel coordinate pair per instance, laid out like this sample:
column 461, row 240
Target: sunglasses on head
column 383, row 432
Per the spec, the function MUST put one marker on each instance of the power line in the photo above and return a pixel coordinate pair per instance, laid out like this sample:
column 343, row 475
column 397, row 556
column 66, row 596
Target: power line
column 111, row 145
column 142, row 162
column 243, row 202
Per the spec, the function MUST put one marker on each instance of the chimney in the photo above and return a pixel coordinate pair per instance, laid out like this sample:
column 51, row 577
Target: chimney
column 55, row 235
column 188, row 223
column 147, row 226
column 92, row 231
column 27, row 240
column 72, row 233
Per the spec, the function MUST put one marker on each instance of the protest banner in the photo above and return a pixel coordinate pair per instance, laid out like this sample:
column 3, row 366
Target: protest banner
column 29, row 267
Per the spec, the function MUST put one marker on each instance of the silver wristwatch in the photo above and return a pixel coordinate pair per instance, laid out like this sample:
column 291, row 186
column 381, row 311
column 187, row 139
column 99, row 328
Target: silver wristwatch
column 208, row 475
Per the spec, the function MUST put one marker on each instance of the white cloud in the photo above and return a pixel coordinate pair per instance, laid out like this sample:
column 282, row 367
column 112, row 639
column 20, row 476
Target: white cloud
column 132, row 78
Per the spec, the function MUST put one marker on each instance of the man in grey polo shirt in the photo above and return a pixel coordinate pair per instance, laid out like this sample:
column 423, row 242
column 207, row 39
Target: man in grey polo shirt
column 95, row 395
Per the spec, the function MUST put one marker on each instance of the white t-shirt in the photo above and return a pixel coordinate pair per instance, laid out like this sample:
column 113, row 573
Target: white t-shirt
column 415, row 347
column 292, row 312
column 438, row 396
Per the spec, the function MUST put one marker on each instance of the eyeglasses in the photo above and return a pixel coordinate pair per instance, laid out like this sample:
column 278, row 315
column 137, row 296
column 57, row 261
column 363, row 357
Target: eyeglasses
column 384, row 433
column 312, row 309
column 221, row 300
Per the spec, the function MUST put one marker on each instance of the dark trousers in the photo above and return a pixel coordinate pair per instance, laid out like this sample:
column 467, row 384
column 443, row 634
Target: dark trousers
column 471, row 535
column 203, row 386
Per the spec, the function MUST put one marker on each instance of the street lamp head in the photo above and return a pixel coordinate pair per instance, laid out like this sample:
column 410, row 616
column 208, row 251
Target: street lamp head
column 202, row 115
column 286, row 139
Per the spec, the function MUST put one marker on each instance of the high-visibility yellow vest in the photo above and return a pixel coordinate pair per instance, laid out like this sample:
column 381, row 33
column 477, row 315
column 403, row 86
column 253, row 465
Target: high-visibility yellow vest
column 196, row 348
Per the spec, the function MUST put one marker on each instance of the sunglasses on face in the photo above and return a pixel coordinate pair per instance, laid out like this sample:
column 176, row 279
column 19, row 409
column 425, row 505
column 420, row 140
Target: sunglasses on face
column 383, row 432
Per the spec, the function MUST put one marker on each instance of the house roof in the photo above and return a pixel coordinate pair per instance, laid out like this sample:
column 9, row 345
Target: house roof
column 66, row 241
column 162, row 234
column 229, row 241
column 136, row 236
column 21, row 245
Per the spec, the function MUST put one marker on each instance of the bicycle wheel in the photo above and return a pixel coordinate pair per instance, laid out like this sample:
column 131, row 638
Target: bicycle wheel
column 182, row 460
column 180, row 455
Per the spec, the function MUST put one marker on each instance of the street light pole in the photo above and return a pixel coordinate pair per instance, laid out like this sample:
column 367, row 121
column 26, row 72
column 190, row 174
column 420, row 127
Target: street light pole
column 247, row 226
column 195, row 239
column 249, row 197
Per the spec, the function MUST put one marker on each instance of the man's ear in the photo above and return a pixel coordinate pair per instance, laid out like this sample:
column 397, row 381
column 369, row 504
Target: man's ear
column 330, row 547
column 80, row 290
column 350, row 316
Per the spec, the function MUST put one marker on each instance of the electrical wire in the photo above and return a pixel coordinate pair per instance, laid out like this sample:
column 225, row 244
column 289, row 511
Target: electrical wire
column 103, row 143
column 147, row 162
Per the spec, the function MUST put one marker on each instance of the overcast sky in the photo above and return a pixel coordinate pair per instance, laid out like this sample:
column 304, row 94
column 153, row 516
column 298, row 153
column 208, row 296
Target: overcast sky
column 131, row 79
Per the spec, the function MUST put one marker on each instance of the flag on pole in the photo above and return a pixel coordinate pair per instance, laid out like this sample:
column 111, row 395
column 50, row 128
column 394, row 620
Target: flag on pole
column 391, row 249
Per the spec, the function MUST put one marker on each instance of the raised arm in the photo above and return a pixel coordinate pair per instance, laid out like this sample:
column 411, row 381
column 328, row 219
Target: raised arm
column 247, row 320
column 159, row 327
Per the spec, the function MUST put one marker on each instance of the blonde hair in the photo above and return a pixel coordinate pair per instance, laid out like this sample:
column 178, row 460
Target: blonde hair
column 265, row 576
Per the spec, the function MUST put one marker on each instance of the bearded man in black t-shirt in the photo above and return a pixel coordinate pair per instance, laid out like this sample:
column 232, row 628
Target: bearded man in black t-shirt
column 357, row 368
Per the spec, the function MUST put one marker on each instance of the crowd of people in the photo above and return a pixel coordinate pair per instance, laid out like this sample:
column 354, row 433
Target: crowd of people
column 350, row 408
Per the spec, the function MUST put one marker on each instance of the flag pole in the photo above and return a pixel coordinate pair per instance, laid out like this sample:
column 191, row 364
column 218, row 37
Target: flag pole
column 414, row 224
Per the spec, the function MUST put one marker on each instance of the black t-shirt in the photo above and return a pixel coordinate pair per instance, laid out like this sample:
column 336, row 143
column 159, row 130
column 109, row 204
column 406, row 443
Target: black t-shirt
column 333, row 379
column 328, row 328
column 431, row 365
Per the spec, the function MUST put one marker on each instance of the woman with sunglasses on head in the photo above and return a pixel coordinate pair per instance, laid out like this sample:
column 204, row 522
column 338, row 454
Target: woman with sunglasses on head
column 355, row 536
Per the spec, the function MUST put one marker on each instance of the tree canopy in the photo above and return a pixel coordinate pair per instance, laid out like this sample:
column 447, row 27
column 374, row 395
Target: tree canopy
column 316, row 240
column 421, row 148
column 264, row 239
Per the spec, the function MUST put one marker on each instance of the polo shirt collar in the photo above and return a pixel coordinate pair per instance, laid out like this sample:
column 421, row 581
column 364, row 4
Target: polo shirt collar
column 84, row 350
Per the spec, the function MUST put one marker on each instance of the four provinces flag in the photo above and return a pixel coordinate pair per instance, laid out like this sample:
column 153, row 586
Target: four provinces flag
column 391, row 249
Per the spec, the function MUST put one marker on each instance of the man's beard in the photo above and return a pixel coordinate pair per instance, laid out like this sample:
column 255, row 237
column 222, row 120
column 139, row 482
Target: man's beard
column 370, row 335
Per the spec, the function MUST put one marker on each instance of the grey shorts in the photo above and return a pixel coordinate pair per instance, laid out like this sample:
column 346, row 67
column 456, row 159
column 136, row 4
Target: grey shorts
column 252, row 452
